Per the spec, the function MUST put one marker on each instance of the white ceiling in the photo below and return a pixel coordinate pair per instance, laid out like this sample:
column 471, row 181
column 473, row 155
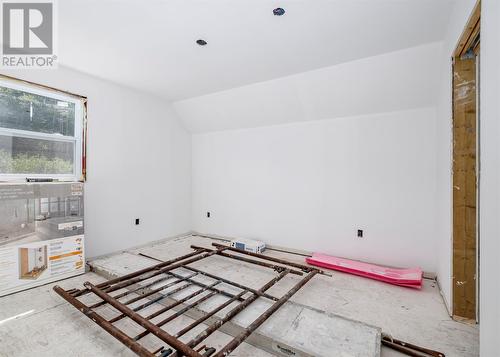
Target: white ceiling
column 150, row 44
column 396, row 81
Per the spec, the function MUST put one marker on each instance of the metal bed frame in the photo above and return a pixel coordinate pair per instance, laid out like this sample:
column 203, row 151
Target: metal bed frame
column 142, row 284
column 156, row 274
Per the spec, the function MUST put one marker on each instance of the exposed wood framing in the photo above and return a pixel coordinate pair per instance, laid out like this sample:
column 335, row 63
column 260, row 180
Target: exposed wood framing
column 471, row 32
column 465, row 188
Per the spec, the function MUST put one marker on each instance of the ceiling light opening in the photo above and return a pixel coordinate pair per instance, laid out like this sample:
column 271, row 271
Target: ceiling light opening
column 279, row 11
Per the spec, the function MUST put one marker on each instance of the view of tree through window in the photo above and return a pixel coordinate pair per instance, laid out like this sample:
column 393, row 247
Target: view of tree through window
column 28, row 156
column 37, row 133
column 28, row 111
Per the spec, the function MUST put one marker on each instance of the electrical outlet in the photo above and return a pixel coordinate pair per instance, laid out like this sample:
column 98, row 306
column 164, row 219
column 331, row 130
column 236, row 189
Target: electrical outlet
column 208, row 214
column 360, row 233
column 137, row 221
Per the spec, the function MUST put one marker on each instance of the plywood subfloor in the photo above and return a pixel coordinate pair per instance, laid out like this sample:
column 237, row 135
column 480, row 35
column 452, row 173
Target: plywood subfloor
column 38, row 322
column 47, row 326
column 294, row 327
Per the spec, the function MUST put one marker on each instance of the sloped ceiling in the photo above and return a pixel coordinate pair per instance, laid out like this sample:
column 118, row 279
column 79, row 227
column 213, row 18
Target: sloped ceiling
column 150, row 44
column 394, row 81
column 322, row 59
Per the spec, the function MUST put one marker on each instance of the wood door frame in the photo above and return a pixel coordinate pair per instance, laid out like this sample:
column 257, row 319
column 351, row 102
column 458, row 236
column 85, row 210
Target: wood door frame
column 468, row 40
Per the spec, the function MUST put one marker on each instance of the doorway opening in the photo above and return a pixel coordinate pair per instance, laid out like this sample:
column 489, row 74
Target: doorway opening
column 466, row 171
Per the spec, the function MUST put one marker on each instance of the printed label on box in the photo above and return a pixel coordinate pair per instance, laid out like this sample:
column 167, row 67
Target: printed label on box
column 41, row 234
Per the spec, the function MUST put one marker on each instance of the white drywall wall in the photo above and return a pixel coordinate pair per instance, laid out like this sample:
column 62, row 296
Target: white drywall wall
column 489, row 206
column 459, row 15
column 490, row 180
column 312, row 185
column 139, row 163
column 400, row 80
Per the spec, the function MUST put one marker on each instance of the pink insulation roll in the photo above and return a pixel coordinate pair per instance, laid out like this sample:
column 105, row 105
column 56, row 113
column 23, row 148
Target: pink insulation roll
column 411, row 277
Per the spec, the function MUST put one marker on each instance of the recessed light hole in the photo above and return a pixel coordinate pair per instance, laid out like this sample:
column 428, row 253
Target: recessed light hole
column 279, row 11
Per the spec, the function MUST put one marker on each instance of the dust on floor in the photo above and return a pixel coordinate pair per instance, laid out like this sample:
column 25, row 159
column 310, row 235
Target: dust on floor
column 39, row 322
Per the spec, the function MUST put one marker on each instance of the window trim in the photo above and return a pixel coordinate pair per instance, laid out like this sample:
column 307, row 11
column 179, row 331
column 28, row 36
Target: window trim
column 79, row 134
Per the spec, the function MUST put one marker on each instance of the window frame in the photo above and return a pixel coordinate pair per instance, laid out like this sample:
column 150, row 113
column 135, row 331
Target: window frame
column 79, row 134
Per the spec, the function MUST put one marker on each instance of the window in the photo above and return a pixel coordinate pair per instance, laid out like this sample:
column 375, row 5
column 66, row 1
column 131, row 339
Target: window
column 41, row 132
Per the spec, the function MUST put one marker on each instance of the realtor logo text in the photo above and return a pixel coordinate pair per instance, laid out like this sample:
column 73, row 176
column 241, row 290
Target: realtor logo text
column 28, row 34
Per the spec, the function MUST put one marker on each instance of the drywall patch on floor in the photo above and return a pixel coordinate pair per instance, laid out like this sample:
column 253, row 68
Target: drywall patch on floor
column 414, row 316
column 294, row 328
column 58, row 329
column 120, row 264
column 30, row 302
column 54, row 328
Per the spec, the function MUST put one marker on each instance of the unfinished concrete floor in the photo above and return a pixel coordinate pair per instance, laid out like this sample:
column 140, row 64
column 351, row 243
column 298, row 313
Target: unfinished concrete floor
column 39, row 322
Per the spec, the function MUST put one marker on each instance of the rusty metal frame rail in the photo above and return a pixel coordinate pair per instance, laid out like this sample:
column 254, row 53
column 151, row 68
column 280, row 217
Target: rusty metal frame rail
column 408, row 348
column 141, row 285
column 144, row 288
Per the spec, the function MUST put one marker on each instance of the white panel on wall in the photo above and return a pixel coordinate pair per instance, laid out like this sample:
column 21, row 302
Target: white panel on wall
column 400, row 80
column 139, row 163
column 312, row 185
